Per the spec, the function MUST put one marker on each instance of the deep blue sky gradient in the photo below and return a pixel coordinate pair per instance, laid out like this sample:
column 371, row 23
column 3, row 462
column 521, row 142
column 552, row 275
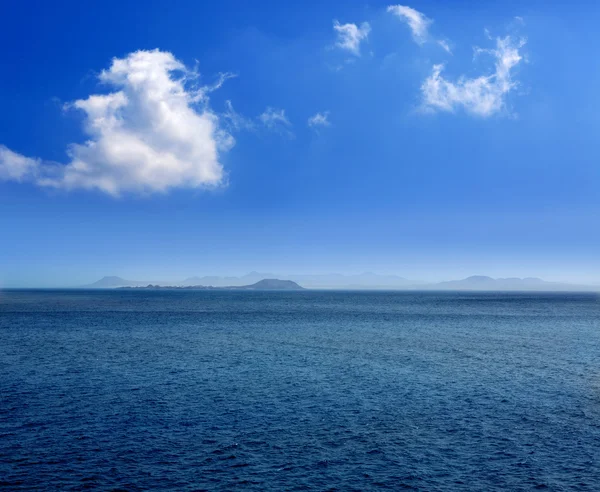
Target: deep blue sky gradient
column 385, row 188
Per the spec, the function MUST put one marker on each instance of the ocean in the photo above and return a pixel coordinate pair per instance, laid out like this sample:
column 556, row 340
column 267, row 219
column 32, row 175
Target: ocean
column 311, row 390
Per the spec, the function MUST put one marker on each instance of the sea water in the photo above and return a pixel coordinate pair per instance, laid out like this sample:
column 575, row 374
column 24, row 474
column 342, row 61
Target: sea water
column 311, row 390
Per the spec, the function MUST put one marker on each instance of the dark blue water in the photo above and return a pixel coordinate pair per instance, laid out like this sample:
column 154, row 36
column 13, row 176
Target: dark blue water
column 179, row 390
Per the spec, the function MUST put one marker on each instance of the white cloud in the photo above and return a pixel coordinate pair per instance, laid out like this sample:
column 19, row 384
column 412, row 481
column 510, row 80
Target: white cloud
column 349, row 36
column 153, row 133
column 445, row 46
column 319, row 119
column 484, row 95
column 16, row 167
column 418, row 23
column 235, row 120
column 274, row 119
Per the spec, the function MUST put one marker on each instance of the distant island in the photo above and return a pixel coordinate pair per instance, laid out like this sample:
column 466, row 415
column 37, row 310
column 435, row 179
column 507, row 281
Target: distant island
column 367, row 280
column 265, row 284
column 336, row 281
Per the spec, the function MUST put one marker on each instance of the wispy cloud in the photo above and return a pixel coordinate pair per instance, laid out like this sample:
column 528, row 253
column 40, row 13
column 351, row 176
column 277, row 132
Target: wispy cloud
column 350, row 36
column 418, row 22
column 419, row 25
column 236, row 121
column 319, row 119
column 221, row 79
column 482, row 96
column 155, row 132
column 273, row 117
column 276, row 120
column 445, row 46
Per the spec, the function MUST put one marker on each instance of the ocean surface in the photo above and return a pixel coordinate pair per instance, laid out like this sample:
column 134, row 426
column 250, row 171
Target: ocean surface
column 217, row 390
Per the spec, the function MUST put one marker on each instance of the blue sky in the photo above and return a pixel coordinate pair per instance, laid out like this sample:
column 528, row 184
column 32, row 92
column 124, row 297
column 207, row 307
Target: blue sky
column 433, row 140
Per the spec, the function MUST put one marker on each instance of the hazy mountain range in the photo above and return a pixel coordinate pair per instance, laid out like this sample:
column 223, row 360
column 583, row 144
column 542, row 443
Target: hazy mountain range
column 266, row 284
column 356, row 282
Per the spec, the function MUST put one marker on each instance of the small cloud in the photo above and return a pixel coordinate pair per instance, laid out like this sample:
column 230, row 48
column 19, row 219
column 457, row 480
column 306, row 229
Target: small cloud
column 445, row 46
column 482, row 96
column 419, row 25
column 221, row 79
column 274, row 117
column 350, row 36
column 319, row 119
column 276, row 120
column 235, row 120
column 418, row 22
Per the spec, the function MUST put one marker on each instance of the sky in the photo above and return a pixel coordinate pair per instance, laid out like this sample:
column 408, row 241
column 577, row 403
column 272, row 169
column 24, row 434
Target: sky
column 432, row 140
